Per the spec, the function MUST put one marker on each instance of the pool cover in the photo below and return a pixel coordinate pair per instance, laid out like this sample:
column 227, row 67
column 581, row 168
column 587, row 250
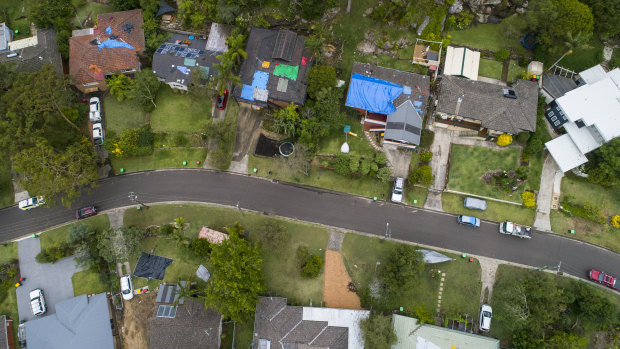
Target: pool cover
column 151, row 266
column 372, row 94
column 286, row 71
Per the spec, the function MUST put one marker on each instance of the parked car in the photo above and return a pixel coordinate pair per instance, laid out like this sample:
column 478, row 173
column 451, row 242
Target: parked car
column 31, row 203
column 97, row 134
column 126, row 287
column 221, row 100
column 85, row 212
column 486, row 314
column 397, row 192
column 95, row 110
column 475, row 204
column 37, row 302
column 602, row 278
column 468, row 220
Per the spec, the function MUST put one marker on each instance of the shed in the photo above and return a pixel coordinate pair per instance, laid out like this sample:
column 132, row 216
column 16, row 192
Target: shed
column 461, row 61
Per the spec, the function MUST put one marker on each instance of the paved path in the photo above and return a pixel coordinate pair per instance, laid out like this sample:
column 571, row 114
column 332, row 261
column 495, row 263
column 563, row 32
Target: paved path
column 545, row 194
column 116, row 217
column 53, row 279
column 335, row 240
column 439, row 164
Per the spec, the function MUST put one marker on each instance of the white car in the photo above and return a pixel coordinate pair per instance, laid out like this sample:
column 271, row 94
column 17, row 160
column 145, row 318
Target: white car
column 97, row 134
column 397, row 192
column 486, row 314
column 37, row 302
column 31, row 203
column 126, row 287
column 95, row 110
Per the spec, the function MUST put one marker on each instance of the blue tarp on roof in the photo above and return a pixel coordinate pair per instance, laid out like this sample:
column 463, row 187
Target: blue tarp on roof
column 114, row 44
column 372, row 94
column 260, row 80
column 247, row 92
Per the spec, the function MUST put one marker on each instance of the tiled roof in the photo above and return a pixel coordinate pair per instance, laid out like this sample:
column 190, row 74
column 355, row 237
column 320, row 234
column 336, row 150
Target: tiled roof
column 87, row 63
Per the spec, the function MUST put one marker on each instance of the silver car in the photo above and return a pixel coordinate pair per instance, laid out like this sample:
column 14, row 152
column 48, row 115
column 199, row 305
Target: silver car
column 37, row 302
column 95, row 110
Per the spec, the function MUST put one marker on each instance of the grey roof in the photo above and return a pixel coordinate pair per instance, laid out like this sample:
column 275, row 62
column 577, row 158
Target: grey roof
column 486, row 102
column 260, row 47
column 33, row 58
column 404, row 125
column 4, row 340
column 557, row 85
column 283, row 326
column 192, row 327
column 6, row 35
column 165, row 64
column 79, row 322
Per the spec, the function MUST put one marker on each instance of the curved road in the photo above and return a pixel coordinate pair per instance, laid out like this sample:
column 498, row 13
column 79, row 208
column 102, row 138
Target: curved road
column 315, row 205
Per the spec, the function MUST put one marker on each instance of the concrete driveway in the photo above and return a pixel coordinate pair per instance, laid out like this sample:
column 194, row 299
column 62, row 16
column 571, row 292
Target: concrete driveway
column 53, row 279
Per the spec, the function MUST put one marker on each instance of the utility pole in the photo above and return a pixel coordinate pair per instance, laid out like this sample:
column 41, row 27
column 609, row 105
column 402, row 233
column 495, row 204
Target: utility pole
column 134, row 197
column 388, row 231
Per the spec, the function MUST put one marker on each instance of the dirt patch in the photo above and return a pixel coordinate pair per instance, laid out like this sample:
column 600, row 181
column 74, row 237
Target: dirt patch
column 336, row 293
column 135, row 321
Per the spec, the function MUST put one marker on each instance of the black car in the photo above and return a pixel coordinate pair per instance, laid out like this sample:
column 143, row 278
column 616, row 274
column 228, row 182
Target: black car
column 86, row 212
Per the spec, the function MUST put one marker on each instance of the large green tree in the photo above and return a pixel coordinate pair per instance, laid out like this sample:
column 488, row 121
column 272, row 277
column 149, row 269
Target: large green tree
column 402, row 268
column 119, row 244
column 320, row 77
column 119, row 86
column 378, row 332
column 236, row 278
column 606, row 16
column 604, row 165
column 144, row 89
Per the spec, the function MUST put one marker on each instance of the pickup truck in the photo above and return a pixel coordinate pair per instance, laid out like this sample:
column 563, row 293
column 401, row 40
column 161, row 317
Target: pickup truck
column 510, row 228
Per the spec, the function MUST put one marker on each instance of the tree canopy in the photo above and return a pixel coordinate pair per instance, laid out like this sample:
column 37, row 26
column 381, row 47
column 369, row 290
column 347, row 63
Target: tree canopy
column 402, row 268
column 320, row 77
column 378, row 332
column 603, row 166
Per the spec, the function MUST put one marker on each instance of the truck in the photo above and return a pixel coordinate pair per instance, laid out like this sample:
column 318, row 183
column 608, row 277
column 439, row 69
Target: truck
column 510, row 228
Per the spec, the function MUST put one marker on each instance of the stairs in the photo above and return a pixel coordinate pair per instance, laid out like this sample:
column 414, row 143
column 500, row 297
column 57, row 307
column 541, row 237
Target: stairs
column 371, row 140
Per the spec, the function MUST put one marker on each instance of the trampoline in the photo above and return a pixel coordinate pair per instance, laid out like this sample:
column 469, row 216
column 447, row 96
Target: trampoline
column 286, row 149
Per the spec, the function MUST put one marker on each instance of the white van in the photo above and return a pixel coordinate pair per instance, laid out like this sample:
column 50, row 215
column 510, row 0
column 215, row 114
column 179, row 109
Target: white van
column 37, row 302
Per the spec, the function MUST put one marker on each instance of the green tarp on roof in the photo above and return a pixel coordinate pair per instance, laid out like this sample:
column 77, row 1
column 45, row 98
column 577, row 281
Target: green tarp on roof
column 287, row 71
column 189, row 62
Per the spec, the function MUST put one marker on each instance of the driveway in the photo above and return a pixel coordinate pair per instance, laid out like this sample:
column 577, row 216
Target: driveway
column 398, row 160
column 53, row 279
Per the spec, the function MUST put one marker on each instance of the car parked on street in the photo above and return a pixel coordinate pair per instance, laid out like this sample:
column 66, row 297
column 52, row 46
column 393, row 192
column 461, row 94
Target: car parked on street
column 126, row 287
column 468, row 220
column 86, row 212
column 602, row 278
column 95, row 110
column 221, row 100
column 486, row 314
column 37, row 302
column 31, row 203
column 97, row 134
column 397, row 192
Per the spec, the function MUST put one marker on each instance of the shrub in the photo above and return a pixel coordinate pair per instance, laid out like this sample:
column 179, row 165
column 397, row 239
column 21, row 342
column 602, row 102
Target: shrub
column 426, row 156
column 380, row 159
column 523, row 137
column 526, row 157
column 274, row 233
column 201, row 247
column 341, row 164
column 504, row 140
column 423, row 175
column 312, row 267
column 320, row 77
column 615, row 221
column 354, row 163
column 426, row 139
column 364, row 167
column 528, row 199
column 588, row 212
column 166, row 229
column 522, row 172
column 374, row 167
column 502, row 55
column 384, row 174
column 523, row 62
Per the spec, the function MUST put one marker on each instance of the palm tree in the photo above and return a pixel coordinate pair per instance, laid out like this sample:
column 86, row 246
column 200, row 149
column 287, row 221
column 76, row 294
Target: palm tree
column 225, row 75
column 183, row 291
column 236, row 44
column 573, row 42
column 179, row 224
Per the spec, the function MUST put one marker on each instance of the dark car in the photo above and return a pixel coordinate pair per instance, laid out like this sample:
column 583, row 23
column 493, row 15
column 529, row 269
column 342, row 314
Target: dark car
column 468, row 220
column 221, row 100
column 602, row 278
column 86, row 212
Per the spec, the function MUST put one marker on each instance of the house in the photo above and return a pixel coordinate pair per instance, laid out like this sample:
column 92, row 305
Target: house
column 31, row 54
column 277, row 325
column 6, row 35
column 391, row 101
column 590, row 115
column 276, row 69
column 487, row 108
column 174, row 60
column 461, row 61
column 7, row 340
column 112, row 47
column 412, row 334
column 80, row 322
column 186, row 325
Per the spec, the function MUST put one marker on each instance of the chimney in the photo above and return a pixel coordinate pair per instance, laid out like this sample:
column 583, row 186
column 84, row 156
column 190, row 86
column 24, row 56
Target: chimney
column 458, row 105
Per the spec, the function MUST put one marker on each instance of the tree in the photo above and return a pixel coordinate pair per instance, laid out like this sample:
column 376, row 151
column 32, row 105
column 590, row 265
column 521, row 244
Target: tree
column 606, row 16
column 45, row 13
column 312, row 266
column 378, row 332
column 184, row 290
column 201, row 247
column 57, row 173
column 225, row 74
column 553, row 19
column 402, row 268
column 236, row 46
column 594, row 309
column 83, row 239
column 603, row 166
column 384, row 174
column 125, row 5
column 273, row 233
column 119, row 244
column 573, row 42
column 119, row 86
column 144, row 90
column 320, row 77
column 198, row 85
column 564, row 340
column 286, row 120
column 236, row 278
column 423, row 175
column 179, row 225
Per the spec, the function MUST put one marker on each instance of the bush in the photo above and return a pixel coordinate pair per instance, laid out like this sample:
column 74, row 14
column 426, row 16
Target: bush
column 320, row 77
column 423, row 175
column 522, row 172
column 380, row 159
column 364, row 167
column 615, row 221
column 502, row 55
column 354, row 163
column 504, row 140
column 589, row 211
column 523, row 62
column 528, row 199
column 427, row 138
column 523, row 137
column 341, row 164
column 201, row 247
column 384, row 174
column 426, row 156
column 312, row 267
column 166, row 229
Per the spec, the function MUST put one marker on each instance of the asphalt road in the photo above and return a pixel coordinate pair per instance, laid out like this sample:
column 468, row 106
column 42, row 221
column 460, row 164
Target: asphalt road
column 315, row 205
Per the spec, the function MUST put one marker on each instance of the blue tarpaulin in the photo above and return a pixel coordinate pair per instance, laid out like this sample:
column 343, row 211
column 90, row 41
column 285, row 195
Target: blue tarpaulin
column 260, row 80
column 114, row 44
column 247, row 92
column 183, row 69
column 372, row 94
column 108, row 30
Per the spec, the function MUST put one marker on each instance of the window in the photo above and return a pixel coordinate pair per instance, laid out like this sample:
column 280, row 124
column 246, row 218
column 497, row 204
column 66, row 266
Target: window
column 91, row 84
column 128, row 70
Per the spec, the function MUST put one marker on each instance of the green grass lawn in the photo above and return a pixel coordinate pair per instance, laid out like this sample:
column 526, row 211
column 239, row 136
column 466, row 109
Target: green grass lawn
column 87, row 282
column 461, row 287
column 490, row 36
column 469, row 164
column 6, row 185
column 358, row 145
column 599, row 234
column 583, row 192
column 490, row 68
column 17, row 20
column 8, row 252
column 93, row 9
column 581, row 58
column 178, row 112
column 55, row 237
column 364, row 186
column 161, row 158
column 496, row 211
column 122, row 115
column 415, row 193
column 221, row 158
column 515, row 71
column 536, row 164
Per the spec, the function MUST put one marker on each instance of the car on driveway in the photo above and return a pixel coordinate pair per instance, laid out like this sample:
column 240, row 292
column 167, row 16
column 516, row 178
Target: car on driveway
column 31, row 203
column 468, row 220
column 95, row 110
column 486, row 314
column 85, row 212
column 126, row 287
column 397, row 192
column 603, row 279
column 97, row 134
column 37, row 302
column 221, row 100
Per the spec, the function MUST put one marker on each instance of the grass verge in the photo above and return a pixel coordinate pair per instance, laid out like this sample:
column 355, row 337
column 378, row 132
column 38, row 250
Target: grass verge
column 415, row 193
column 178, row 112
column 599, row 234
column 8, row 252
column 59, row 235
column 161, row 158
column 122, row 115
column 87, row 282
column 496, row 211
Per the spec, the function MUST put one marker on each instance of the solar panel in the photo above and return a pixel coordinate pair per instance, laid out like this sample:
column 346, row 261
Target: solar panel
column 159, row 50
column 166, row 311
column 160, row 310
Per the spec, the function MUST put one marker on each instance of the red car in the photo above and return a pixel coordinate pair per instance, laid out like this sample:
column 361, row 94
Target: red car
column 86, row 212
column 221, row 100
column 603, row 278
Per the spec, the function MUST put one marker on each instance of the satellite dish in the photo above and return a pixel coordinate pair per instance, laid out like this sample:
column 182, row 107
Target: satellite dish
column 345, row 148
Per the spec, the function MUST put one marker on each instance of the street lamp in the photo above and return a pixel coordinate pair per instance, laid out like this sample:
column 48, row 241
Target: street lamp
column 134, row 197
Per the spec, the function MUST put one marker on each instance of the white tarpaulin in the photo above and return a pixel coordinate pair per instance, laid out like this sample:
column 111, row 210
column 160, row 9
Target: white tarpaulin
column 203, row 273
column 432, row 257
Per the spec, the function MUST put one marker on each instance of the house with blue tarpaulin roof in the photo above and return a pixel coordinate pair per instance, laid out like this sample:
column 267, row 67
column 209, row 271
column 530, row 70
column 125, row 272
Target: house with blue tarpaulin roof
column 392, row 102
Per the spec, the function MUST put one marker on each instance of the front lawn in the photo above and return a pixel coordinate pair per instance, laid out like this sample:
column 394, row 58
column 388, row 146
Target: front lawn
column 469, row 164
column 599, row 234
column 88, row 282
column 490, row 68
column 161, row 158
column 358, row 145
column 177, row 112
column 122, row 115
column 6, row 185
column 415, row 193
column 55, row 237
column 496, row 211
column 583, row 192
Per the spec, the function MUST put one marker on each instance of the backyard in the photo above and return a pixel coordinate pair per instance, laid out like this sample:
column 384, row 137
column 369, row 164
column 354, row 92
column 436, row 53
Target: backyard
column 490, row 68
column 492, row 37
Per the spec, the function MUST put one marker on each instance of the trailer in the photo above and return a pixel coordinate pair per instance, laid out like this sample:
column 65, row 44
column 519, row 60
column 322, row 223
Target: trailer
column 510, row 228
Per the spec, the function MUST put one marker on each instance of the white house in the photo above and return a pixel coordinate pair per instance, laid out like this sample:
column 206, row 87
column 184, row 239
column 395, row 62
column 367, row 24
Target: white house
column 590, row 116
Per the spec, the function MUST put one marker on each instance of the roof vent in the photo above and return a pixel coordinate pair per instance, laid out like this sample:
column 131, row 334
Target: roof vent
column 509, row 93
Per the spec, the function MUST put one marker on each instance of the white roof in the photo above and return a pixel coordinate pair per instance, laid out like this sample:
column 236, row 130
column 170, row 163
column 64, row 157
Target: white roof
column 592, row 75
column 217, row 39
column 462, row 61
column 582, row 137
column 565, row 153
column 340, row 318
